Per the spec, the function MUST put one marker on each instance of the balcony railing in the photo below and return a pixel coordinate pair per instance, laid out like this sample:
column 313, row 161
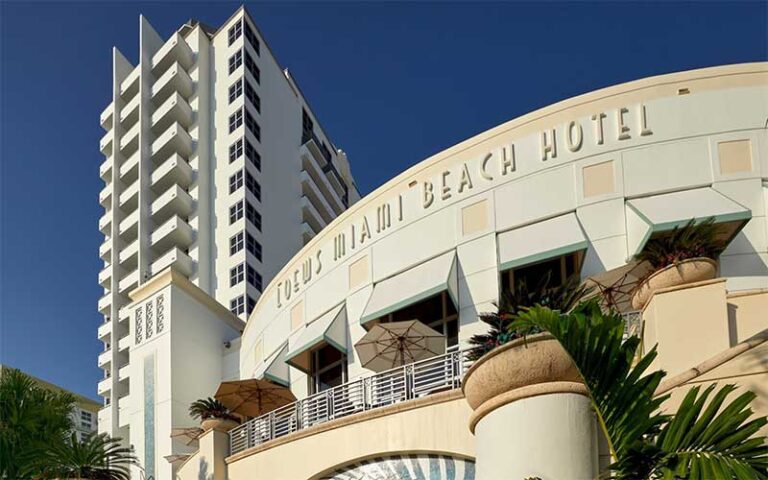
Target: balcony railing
column 408, row 382
column 633, row 324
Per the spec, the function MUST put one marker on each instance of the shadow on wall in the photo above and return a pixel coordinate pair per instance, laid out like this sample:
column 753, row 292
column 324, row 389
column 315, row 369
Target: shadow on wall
column 202, row 472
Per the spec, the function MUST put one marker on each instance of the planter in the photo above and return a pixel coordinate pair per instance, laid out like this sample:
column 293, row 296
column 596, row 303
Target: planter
column 681, row 273
column 539, row 359
column 218, row 424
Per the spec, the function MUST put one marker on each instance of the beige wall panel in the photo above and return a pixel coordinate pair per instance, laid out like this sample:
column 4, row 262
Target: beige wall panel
column 297, row 315
column 598, row 179
column 666, row 167
column 359, row 272
column 440, row 428
column 747, row 315
column 735, row 156
column 475, row 218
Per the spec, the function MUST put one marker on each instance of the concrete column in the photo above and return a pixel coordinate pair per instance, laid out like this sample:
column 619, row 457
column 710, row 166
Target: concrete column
column 532, row 418
column 214, row 446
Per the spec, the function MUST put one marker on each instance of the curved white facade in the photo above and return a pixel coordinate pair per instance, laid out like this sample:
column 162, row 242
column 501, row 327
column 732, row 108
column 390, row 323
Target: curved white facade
column 596, row 174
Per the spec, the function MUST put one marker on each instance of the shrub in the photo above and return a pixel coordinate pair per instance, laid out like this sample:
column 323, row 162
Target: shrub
column 689, row 241
column 208, row 408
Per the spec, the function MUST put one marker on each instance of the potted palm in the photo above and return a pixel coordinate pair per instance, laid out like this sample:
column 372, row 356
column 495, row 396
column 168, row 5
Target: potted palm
column 686, row 255
column 213, row 414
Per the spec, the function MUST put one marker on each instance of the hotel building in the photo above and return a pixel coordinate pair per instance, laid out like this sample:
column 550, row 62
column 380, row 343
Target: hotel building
column 215, row 169
column 578, row 187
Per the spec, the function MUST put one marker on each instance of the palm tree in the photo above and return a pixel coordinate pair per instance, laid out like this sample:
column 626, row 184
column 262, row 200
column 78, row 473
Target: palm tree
column 30, row 416
column 97, row 457
column 705, row 438
column 207, row 408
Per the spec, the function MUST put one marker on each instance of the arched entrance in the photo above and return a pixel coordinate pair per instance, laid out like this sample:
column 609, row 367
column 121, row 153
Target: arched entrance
column 406, row 467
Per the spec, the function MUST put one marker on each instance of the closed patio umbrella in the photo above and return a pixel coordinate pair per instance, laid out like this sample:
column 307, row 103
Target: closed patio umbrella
column 617, row 286
column 253, row 397
column 393, row 344
column 188, row 435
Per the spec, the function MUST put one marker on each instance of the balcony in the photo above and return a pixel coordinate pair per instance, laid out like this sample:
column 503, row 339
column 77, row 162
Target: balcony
column 310, row 190
column 105, row 276
column 105, row 222
column 175, row 140
column 105, row 196
column 409, row 382
column 104, row 387
column 307, row 232
column 130, row 113
column 174, row 109
column 130, row 141
column 123, row 373
column 174, row 232
column 105, row 169
column 176, row 79
column 106, row 116
column 130, row 86
column 123, row 406
column 129, row 199
column 180, row 261
column 105, row 145
column 105, row 358
column 175, row 50
column 313, row 169
column 175, row 170
column 129, row 282
column 105, row 249
column 129, row 255
column 123, row 315
column 125, row 343
column 105, row 416
column 105, row 330
column 105, row 303
column 129, row 170
column 175, row 201
column 129, row 227
column 310, row 215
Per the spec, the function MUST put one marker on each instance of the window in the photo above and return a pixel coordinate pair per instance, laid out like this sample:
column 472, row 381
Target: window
column 236, row 181
column 438, row 312
column 235, row 120
column 85, row 425
column 235, row 150
column 235, row 212
column 87, row 416
column 252, row 155
column 251, row 125
column 252, row 215
column 235, row 61
column 251, row 37
column 250, row 94
column 254, row 278
column 237, row 305
column 253, row 246
column 236, row 275
column 252, row 185
column 251, row 66
column 236, row 243
column 234, row 32
column 251, row 304
column 235, row 90
column 550, row 273
column 328, row 369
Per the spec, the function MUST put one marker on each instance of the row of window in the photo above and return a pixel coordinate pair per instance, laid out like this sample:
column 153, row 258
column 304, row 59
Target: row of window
column 236, row 151
column 236, row 61
column 238, row 304
column 238, row 273
column 237, row 29
column 236, row 119
column 245, row 240
column 236, row 89
column 236, row 213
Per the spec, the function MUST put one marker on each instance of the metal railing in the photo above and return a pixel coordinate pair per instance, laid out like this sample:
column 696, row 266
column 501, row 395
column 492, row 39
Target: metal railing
column 633, row 323
column 408, row 382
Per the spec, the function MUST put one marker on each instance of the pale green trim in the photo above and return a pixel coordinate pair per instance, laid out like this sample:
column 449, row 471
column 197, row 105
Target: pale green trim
column 546, row 255
column 275, row 379
column 442, row 286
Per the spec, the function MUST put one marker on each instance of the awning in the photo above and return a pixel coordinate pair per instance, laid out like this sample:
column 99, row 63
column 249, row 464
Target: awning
column 274, row 367
column 412, row 286
column 540, row 241
column 661, row 213
column 328, row 329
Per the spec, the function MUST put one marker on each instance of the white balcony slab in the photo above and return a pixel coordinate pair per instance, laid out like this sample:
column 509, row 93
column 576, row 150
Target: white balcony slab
column 179, row 260
column 125, row 343
column 105, row 222
column 130, row 141
column 129, row 197
column 174, row 109
column 105, row 195
column 105, row 330
column 129, row 169
column 123, row 373
column 105, row 358
column 310, row 215
column 310, row 190
column 310, row 164
column 105, row 303
column 105, row 144
column 174, row 232
column 174, row 140
column 104, row 386
column 105, row 276
column 105, row 169
column 129, row 114
column 129, row 225
column 105, row 250
column 175, row 79
column 129, row 253
column 129, row 282
column 174, row 170
column 130, row 86
column 175, row 201
column 106, row 116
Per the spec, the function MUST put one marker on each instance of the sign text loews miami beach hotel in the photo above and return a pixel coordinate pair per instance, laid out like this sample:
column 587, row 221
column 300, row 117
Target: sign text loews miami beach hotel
column 240, row 263
column 217, row 169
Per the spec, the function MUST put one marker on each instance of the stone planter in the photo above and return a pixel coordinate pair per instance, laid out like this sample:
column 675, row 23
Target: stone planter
column 218, row 424
column 681, row 273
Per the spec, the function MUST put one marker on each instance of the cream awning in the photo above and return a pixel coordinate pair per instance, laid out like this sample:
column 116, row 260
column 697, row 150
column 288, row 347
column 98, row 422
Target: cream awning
column 540, row 241
column 660, row 213
column 274, row 367
column 412, row 286
column 328, row 329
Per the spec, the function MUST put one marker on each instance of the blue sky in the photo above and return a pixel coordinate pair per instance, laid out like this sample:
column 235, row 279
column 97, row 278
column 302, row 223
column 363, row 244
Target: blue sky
column 392, row 83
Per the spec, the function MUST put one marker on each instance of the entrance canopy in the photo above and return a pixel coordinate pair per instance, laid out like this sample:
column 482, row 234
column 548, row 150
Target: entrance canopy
column 328, row 329
column 540, row 241
column 412, row 286
column 274, row 367
column 661, row 213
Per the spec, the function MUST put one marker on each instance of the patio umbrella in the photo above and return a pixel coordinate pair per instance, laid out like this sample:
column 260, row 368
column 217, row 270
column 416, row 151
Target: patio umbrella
column 176, row 458
column 393, row 344
column 188, row 435
column 617, row 286
column 253, row 397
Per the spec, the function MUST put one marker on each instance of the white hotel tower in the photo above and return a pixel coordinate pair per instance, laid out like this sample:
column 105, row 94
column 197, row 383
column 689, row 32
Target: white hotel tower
column 216, row 173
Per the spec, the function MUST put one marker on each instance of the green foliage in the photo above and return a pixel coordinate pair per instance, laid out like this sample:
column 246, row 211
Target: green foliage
column 98, row 457
column 561, row 297
column 31, row 418
column 207, row 408
column 696, row 442
column 689, row 241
